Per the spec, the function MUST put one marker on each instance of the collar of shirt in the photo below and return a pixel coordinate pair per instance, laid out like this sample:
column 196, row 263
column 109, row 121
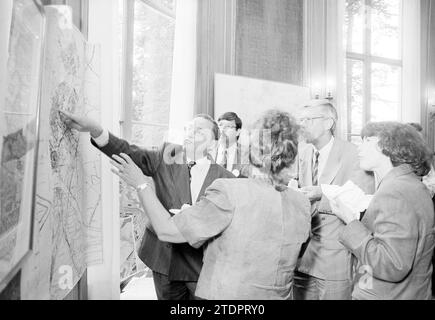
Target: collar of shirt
column 200, row 162
column 199, row 173
column 324, row 155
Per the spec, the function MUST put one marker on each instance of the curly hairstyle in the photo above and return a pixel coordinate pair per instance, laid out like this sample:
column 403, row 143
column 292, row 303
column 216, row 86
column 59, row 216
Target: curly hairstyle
column 402, row 144
column 274, row 143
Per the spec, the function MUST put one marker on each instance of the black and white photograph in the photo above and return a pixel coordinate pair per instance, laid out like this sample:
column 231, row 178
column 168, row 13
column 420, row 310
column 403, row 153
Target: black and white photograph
column 241, row 151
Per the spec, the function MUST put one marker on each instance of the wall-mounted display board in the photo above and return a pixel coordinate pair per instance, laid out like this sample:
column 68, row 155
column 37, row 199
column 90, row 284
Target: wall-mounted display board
column 19, row 124
column 249, row 97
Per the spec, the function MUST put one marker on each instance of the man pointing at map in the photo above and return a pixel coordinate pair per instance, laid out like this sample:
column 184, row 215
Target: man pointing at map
column 181, row 175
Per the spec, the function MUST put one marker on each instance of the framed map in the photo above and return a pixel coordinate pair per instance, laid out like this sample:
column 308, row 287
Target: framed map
column 19, row 129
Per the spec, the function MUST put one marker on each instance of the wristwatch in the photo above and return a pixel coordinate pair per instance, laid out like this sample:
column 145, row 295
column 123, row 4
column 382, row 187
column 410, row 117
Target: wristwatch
column 142, row 186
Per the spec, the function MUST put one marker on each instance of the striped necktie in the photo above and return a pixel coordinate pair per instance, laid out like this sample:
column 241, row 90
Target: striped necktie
column 224, row 160
column 315, row 170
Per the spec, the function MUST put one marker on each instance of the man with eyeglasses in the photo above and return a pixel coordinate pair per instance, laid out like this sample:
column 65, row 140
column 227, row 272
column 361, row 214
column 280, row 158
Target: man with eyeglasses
column 324, row 270
column 230, row 153
column 181, row 174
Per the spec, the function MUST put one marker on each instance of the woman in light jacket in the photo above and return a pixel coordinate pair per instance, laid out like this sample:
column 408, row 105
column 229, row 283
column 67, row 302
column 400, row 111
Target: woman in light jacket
column 394, row 241
column 251, row 229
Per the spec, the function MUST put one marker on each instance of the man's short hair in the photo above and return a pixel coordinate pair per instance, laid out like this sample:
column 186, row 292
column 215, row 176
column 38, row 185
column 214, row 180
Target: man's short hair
column 215, row 125
column 328, row 110
column 232, row 116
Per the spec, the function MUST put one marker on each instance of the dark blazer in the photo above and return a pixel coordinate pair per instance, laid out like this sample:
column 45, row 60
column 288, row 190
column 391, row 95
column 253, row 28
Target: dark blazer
column 166, row 165
column 394, row 241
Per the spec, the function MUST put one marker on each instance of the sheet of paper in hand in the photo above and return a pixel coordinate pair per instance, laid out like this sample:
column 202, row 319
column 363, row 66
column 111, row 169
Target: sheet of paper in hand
column 350, row 194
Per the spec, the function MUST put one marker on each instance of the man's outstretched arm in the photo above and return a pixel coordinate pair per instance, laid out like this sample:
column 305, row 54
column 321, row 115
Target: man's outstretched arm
column 109, row 144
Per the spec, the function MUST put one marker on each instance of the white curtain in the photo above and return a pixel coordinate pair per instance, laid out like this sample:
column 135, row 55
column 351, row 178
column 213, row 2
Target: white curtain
column 411, row 54
column 104, row 280
column 184, row 69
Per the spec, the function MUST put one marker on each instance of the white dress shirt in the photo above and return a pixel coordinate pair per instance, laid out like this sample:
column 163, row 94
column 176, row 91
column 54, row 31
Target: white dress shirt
column 324, row 155
column 231, row 156
column 103, row 139
column 198, row 172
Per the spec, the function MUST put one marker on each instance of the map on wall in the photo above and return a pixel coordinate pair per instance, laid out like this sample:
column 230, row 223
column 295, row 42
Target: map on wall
column 18, row 131
column 68, row 198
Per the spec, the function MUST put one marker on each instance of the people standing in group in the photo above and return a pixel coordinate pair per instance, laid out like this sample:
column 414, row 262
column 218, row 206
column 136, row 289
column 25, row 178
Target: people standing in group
column 252, row 228
column 325, row 268
column 394, row 241
column 181, row 175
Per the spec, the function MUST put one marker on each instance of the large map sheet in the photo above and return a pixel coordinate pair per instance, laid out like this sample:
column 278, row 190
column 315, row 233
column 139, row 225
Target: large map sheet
column 68, row 208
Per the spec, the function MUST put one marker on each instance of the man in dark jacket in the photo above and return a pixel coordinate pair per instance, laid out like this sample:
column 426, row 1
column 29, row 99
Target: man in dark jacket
column 181, row 175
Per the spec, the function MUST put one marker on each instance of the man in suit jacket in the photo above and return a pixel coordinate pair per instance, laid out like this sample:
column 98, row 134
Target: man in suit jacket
column 324, row 270
column 181, row 175
column 230, row 153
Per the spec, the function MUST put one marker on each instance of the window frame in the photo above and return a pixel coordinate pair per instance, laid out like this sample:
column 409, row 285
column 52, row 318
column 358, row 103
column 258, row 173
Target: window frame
column 126, row 123
column 367, row 59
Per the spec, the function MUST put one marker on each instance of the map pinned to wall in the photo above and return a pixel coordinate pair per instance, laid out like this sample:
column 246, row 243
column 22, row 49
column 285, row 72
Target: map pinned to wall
column 68, row 199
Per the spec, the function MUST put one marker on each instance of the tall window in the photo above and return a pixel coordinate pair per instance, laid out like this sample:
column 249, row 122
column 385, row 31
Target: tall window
column 148, row 53
column 373, row 42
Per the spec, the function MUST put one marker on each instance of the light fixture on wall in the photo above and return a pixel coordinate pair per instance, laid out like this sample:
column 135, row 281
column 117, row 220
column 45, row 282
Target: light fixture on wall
column 329, row 96
column 431, row 99
column 318, row 90
column 330, row 87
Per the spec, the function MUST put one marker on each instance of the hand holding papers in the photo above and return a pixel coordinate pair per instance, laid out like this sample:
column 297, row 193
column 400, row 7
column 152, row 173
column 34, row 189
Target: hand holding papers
column 348, row 201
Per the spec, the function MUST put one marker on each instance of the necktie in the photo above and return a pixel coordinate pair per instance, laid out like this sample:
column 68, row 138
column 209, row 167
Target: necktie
column 224, row 159
column 315, row 170
column 190, row 165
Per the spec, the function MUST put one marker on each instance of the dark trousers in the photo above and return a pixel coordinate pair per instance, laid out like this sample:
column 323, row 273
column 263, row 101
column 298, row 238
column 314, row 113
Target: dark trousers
column 173, row 290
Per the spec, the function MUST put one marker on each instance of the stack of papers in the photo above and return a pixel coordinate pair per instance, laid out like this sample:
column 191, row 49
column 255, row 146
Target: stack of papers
column 350, row 194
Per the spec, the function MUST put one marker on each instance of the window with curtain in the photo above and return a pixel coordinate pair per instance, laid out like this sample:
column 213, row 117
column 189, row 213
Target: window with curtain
column 148, row 54
column 373, row 42
column 147, row 37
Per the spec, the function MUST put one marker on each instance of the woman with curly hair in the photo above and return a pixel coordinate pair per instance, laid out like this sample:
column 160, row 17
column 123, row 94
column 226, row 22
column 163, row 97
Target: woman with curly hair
column 394, row 241
column 253, row 228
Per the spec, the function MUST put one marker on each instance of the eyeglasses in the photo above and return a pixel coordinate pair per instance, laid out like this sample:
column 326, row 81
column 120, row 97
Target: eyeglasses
column 301, row 120
column 227, row 127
